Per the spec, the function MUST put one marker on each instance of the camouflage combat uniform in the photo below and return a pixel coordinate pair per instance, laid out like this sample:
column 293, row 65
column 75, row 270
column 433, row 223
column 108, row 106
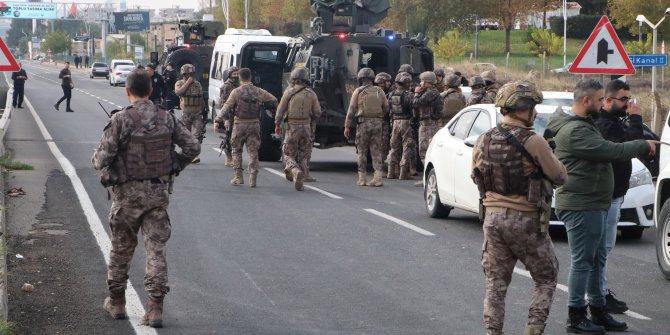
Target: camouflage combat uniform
column 512, row 183
column 191, row 106
column 454, row 101
column 246, row 100
column 428, row 105
column 228, row 87
column 299, row 107
column 490, row 94
column 368, row 108
column 141, row 182
column 402, row 134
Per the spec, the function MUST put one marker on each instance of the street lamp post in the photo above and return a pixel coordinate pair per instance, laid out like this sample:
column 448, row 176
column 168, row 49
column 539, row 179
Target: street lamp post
column 641, row 18
column 565, row 31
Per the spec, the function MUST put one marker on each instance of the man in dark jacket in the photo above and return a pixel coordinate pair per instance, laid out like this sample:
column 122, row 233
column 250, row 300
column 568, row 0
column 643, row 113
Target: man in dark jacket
column 157, row 84
column 170, row 77
column 582, row 202
column 616, row 104
column 19, row 77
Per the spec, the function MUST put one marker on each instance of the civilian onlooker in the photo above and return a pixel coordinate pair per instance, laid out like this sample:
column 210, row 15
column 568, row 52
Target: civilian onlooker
column 617, row 103
column 67, row 85
column 583, row 201
column 19, row 77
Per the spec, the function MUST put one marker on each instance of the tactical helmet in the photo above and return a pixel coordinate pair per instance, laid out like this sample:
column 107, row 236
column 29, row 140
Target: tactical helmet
column 477, row 81
column 300, row 73
column 403, row 78
column 382, row 77
column 489, row 77
column 366, row 73
column 428, row 77
column 453, row 80
column 518, row 95
column 187, row 68
column 406, row 68
column 230, row 70
column 440, row 72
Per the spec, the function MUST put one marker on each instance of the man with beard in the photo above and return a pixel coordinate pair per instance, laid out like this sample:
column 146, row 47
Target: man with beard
column 616, row 104
column 583, row 201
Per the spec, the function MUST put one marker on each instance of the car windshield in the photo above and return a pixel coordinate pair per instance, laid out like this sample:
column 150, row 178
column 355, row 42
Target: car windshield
column 125, row 68
column 99, row 65
column 557, row 102
column 541, row 121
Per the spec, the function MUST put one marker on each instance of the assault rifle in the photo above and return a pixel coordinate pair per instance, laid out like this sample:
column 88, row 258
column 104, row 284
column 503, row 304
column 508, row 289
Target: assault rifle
column 224, row 135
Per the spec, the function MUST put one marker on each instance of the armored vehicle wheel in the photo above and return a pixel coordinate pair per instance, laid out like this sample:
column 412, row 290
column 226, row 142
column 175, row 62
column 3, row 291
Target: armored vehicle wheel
column 187, row 56
column 270, row 150
column 663, row 239
column 433, row 203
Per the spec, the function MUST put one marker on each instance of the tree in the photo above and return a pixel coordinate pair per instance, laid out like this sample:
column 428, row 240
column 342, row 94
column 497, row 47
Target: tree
column 624, row 13
column 57, row 42
column 451, row 46
column 544, row 42
column 595, row 7
column 639, row 47
column 508, row 12
column 19, row 28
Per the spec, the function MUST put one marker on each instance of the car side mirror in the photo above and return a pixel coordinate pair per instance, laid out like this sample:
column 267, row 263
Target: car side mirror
column 470, row 141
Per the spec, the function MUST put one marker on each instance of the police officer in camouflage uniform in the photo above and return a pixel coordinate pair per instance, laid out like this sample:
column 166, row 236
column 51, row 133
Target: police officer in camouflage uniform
column 141, row 178
column 478, row 87
column 368, row 107
column 515, row 171
column 428, row 107
column 383, row 80
column 231, row 83
column 453, row 99
column 402, row 134
column 189, row 90
column 246, row 101
column 491, row 87
column 298, row 107
column 440, row 74
column 406, row 68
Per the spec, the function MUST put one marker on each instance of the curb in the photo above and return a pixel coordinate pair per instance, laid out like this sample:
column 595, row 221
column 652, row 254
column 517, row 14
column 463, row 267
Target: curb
column 4, row 124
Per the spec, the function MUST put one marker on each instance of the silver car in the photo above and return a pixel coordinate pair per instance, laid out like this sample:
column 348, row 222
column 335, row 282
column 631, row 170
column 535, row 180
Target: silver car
column 119, row 74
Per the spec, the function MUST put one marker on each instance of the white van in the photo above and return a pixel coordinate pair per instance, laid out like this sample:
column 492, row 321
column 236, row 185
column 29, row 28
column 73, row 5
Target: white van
column 255, row 49
column 116, row 62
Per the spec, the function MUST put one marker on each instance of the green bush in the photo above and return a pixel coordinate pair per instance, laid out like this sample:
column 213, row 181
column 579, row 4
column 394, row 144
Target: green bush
column 451, row 46
column 545, row 42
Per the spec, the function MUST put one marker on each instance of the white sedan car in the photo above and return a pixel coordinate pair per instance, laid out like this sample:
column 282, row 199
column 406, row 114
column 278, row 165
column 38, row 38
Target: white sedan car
column 449, row 164
column 119, row 74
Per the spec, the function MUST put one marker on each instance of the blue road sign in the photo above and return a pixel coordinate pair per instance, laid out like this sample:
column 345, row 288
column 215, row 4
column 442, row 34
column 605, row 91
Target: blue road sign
column 649, row 60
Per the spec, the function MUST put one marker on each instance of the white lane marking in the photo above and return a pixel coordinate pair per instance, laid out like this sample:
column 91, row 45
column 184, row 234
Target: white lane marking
column 326, row 193
column 246, row 274
column 134, row 307
column 564, row 288
column 400, row 222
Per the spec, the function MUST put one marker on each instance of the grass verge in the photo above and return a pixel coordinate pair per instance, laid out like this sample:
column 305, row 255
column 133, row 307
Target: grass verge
column 7, row 163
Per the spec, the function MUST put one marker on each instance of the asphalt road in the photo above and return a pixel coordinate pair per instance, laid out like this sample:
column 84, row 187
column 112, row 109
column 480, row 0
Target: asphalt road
column 334, row 259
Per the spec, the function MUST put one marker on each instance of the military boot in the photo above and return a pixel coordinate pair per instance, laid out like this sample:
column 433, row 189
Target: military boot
column 533, row 330
column 196, row 160
column 115, row 304
column 392, row 172
column 229, row 160
column 308, row 178
column 404, row 173
column 154, row 316
column 376, row 180
column 361, row 179
column 412, row 168
column 238, row 179
column 298, row 178
column 601, row 317
column 288, row 174
column 252, row 179
column 578, row 323
column 493, row 331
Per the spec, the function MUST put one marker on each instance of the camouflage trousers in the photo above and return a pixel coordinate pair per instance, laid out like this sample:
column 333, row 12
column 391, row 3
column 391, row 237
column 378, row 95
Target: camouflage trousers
column 248, row 133
column 402, row 141
column 194, row 123
column 297, row 147
column 510, row 235
column 427, row 130
column 386, row 138
column 369, row 138
column 139, row 206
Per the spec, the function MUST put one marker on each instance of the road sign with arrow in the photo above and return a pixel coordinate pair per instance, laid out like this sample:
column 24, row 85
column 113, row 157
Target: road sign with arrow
column 602, row 53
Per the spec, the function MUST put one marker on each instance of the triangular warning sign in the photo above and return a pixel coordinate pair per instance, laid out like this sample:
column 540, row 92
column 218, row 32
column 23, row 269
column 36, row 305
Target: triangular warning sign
column 602, row 53
column 7, row 61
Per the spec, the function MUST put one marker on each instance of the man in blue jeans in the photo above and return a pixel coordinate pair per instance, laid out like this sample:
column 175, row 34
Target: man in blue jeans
column 617, row 103
column 583, row 201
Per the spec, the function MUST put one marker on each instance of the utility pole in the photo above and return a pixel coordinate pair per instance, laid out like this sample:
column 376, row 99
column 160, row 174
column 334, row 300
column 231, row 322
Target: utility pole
column 246, row 14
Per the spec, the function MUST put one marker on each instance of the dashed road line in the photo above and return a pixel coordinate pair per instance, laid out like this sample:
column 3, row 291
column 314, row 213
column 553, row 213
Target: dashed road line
column 399, row 222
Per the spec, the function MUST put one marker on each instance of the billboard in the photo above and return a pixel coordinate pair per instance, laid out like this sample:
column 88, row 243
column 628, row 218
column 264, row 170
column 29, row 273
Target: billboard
column 27, row 10
column 129, row 21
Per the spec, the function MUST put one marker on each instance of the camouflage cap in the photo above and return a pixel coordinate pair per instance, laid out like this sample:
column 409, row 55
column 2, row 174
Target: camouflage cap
column 300, row 73
column 187, row 68
column 381, row 77
column 489, row 76
column 453, row 80
column 428, row 77
column 518, row 95
column 406, row 68
column 403, row 78
column 366, row 72
column 477, row 81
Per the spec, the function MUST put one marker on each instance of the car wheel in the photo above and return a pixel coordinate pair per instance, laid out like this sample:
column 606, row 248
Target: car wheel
column 90, row 76
column 106, row 77
column 634, row 233
column 663, row 240
column 116, row 84
column 432, row 197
